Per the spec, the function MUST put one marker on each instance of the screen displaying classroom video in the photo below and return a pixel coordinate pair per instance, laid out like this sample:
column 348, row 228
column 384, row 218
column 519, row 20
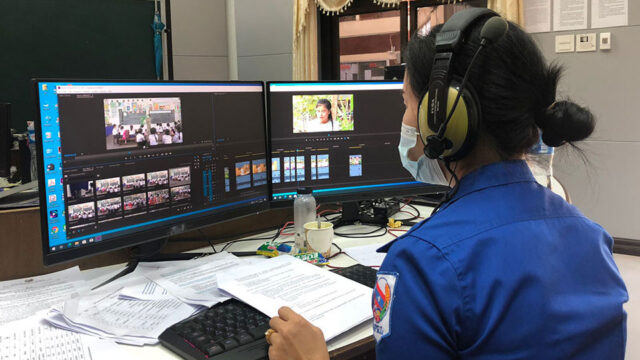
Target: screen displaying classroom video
column 134, row 156
column 336, row 137
column 142, row 122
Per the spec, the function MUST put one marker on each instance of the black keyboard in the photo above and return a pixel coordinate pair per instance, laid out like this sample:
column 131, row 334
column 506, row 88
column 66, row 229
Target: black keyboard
column 234, row 330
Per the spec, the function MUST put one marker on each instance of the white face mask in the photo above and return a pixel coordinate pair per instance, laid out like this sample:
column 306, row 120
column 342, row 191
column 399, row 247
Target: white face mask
column 424, row 170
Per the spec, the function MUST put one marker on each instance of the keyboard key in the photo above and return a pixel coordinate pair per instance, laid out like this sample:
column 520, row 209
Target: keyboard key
column 244, row 338
column 214, row 349
column 229, row 343
column 259, row 331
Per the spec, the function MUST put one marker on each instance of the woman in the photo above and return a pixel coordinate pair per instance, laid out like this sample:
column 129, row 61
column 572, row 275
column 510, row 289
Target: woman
column 505, row 269
column 324, row 119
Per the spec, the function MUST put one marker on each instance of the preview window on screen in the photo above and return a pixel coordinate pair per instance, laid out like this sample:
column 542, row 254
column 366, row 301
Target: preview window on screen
column 335, row 137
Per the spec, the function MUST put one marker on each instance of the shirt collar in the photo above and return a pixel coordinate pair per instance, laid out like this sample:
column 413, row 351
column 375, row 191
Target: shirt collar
column 494, row 174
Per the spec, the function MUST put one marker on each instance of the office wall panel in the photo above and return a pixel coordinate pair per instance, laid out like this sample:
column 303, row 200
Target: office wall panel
column 265, row 67
column 264, row 27
column 200, row 68
column 199, row 27
column 605, row 188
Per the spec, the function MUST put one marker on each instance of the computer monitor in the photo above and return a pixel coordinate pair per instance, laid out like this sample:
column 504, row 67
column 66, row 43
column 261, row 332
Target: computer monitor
column 339, row 138
column 125, row 163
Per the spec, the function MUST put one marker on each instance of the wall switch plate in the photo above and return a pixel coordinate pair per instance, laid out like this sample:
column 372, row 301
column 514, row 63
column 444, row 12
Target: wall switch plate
column 605, row 41
column 565, row 43
column 586, row 42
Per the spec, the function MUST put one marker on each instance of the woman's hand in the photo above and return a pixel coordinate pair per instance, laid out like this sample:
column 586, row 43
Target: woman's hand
column 295, row 338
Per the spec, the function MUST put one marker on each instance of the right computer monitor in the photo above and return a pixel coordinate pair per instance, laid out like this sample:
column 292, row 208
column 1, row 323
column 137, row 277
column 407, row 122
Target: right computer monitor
column 339, row 138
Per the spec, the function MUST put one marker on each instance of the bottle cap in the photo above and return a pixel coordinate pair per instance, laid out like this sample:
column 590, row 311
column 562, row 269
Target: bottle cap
column 305, row 190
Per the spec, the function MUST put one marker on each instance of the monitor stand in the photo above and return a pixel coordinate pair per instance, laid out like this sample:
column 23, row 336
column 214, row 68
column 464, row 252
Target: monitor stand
column 150, row 252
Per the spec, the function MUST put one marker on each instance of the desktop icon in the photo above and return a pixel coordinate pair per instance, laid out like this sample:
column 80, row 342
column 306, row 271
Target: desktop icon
column 44, row 87
column 51, row 167
column 53, row 198
column 51, row 182
column 53, row 214
column 64, row 227
column 54, row 229
column 47, row 135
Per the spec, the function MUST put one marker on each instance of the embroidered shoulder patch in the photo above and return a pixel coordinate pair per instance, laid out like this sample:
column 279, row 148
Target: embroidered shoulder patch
column 381, row 302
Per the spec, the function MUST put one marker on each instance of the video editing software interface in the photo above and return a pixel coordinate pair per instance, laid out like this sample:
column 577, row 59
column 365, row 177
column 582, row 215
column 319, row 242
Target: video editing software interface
column 124, row 157
column 338, row 138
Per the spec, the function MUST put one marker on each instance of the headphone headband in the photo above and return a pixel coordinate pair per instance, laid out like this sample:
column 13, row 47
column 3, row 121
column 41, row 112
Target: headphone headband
column 433, row 122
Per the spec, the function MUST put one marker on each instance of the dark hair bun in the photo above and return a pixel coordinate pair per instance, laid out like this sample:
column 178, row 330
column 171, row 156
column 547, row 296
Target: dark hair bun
column 565, row 121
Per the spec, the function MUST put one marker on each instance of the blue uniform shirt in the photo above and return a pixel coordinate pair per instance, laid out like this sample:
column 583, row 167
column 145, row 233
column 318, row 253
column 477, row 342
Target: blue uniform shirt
column 505, row 270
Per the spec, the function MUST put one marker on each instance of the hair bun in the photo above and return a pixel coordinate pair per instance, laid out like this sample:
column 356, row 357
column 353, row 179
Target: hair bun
column 565, row 121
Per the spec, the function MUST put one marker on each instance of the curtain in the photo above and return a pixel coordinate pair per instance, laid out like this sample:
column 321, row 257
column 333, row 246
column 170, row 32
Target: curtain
column 511, row 10
column 305, row 40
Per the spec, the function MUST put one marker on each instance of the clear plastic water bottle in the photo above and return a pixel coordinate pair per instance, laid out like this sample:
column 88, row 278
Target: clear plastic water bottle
column 540, row 159
column 304, row 211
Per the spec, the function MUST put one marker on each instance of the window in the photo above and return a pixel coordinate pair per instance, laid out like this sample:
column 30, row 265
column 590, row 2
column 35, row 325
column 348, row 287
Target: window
column 360, row 42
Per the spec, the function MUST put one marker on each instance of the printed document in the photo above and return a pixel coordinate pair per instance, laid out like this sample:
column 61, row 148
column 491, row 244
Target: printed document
column 366, row 254
column 195, row 282
column 329, row 301
column 22, row 298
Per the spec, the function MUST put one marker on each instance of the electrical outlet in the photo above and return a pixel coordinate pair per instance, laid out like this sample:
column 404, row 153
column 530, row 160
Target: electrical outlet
column 605, row 41
column 586, row 42
column 565, row 43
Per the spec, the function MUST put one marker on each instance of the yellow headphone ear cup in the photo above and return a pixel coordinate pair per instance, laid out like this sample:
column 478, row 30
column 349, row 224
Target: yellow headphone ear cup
column 423, row 119
column 458, row 126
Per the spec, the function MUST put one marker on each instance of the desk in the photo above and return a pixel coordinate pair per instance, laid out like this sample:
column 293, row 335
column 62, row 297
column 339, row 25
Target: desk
column 356, row 343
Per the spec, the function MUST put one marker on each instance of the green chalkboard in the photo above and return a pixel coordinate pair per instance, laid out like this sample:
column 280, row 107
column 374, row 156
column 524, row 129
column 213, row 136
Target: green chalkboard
column 76, row 39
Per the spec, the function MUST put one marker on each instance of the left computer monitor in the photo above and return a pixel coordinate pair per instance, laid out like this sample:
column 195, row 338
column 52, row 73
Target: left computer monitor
column 124, row 163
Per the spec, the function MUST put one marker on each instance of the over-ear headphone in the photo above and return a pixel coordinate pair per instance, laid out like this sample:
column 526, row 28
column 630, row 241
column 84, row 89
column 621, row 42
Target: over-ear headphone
column 450, row 131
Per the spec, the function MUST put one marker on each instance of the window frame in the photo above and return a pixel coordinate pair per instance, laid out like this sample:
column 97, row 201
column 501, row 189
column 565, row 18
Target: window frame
column 329, row 29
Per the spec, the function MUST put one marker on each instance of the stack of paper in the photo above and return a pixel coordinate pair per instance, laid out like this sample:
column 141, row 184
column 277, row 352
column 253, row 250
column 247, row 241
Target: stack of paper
column 195, row 282
column 138, row 307
column 105, row 314
column 329, row 301
column 22, row 298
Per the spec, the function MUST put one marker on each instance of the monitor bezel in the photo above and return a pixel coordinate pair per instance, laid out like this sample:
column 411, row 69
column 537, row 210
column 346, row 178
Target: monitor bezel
column 149, row 234
column 418, row 189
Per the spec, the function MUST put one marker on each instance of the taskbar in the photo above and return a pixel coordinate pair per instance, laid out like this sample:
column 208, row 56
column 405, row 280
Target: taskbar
column 125, row 230
column 346, row 189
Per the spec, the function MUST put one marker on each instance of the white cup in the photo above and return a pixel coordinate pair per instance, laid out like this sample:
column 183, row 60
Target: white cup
column 319, row 239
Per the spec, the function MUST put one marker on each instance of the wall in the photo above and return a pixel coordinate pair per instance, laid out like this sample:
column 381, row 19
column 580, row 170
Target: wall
column 199, row 36
column 264, row 33
column 605, row 189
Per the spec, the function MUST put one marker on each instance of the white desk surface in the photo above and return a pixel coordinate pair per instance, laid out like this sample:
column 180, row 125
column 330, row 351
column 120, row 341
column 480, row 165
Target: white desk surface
column 360, row 332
